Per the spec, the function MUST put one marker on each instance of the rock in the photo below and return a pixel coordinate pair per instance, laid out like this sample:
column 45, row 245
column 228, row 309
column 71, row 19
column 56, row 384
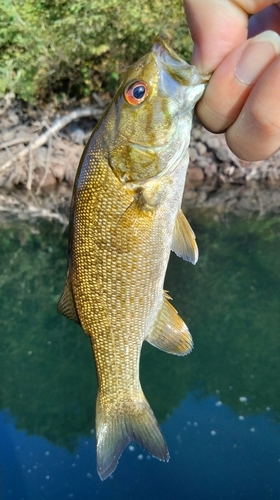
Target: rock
column 201, row 148
column 202, row 162
column 58, row 171
column 13, row 117
column 248, row 204
column 193, row 154
column 202, row 196
column 195, row 174
column 205, row 136
column 7, row 135
column 223, row 178
column 210, row 170
column 238, row 174
column 38, row 175
column 275, row 198
column 213, row 142
column 59, row 146
column 70, row 174
column 49, row 181
column 76, row 133
column 190, row 195
column 24, row 133
column 214, row 170
column 227, row 169
column 196, row 133
column 64, row 190
column 223, row 154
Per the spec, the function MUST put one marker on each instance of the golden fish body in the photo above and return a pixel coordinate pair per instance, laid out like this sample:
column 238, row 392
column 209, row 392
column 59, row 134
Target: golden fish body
column 125, row 219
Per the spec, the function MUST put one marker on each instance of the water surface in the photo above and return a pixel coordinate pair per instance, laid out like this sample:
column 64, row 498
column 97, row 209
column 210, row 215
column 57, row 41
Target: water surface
column 219, row 407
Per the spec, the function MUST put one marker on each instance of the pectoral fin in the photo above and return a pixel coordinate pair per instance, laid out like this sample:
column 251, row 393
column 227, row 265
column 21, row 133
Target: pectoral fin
column 66, row 305
column 170, row 333
column 130, row 226
column 183, row 243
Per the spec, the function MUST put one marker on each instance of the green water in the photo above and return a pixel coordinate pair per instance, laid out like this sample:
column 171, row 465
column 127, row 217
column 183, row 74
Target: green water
column 219, row 407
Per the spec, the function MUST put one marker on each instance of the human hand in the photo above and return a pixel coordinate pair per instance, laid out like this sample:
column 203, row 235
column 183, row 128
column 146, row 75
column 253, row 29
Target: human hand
column 242, row 98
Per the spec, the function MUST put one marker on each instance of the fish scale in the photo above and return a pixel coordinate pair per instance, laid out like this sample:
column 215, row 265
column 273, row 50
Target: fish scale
column 125, row 219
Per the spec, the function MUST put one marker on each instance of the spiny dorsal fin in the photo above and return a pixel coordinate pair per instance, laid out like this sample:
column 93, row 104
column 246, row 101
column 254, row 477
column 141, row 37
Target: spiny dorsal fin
column 66, row 305
column 183, row 243
column 170, row 333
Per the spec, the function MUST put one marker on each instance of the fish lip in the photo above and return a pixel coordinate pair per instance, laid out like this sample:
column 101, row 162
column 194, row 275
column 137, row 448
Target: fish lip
column 182, row 83
column 162, row 46
column 181, row 71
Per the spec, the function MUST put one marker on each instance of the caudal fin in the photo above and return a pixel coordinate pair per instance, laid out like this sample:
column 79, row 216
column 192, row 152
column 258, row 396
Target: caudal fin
column 115, row 431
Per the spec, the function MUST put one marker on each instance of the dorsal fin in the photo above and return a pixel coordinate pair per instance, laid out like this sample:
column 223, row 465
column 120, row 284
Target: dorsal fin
column 183, row 243
column 66, row 304
column 170, row 333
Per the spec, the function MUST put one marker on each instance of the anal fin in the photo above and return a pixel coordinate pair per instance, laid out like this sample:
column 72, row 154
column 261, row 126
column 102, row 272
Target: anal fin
column 66, row 304
column 170, row 333
column 184, row 243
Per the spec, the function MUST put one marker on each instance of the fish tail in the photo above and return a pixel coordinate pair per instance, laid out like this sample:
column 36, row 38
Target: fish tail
column 115, row 431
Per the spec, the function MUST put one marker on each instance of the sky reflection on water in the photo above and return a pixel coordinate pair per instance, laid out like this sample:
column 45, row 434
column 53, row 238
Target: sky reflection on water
column 214, row 455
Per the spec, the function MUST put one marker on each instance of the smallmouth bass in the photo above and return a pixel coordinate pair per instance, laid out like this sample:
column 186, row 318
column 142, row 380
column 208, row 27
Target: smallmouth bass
column 125, row 219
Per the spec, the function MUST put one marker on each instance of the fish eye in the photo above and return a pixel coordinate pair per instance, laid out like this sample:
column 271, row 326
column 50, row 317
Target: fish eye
column 136, row 93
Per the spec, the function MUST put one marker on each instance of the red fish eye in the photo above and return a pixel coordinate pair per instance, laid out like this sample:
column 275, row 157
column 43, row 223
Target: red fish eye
column 136, row 93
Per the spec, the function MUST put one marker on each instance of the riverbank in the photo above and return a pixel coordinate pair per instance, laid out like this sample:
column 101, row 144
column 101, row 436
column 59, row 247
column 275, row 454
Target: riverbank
column 40, row 152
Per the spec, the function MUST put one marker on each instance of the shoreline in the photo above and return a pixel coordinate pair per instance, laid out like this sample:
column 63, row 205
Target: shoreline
column 40, row 175
column 254, row 199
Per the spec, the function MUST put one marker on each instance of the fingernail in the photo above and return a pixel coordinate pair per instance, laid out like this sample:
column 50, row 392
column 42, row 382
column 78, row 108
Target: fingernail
column 199, row 63
column 257, row 56
column 196, row 57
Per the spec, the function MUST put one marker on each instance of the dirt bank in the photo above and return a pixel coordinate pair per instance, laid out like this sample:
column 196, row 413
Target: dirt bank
column 39, row 158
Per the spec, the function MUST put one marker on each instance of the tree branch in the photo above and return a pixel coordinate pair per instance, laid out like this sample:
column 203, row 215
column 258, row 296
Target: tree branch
column 93, row 111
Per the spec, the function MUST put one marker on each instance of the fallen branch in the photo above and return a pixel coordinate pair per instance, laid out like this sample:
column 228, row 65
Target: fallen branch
column 30, row 170
column 47, row 166
column 17, row 140
column 35, row 212
column 93, row 111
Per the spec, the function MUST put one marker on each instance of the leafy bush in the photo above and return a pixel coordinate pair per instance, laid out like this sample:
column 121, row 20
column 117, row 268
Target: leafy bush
column 75, row 47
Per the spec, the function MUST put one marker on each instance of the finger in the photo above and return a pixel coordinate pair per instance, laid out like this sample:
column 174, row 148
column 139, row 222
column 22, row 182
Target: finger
column 253, row 6
column 267, row 19
column 218, row 27
column 232, row 82
column 255, row 134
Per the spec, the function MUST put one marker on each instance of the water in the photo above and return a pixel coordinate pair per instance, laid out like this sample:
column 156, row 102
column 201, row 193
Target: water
column 219, row 407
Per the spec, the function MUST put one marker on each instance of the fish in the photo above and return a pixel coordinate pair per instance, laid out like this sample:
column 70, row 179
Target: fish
column 125, row 219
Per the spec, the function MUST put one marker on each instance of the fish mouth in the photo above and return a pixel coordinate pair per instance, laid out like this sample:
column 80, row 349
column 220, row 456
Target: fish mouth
column 183, row 73
column 181, row 86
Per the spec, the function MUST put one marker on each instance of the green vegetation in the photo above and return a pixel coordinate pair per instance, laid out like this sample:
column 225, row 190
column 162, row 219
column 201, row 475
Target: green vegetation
column 230, row 301
column 54, row 47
